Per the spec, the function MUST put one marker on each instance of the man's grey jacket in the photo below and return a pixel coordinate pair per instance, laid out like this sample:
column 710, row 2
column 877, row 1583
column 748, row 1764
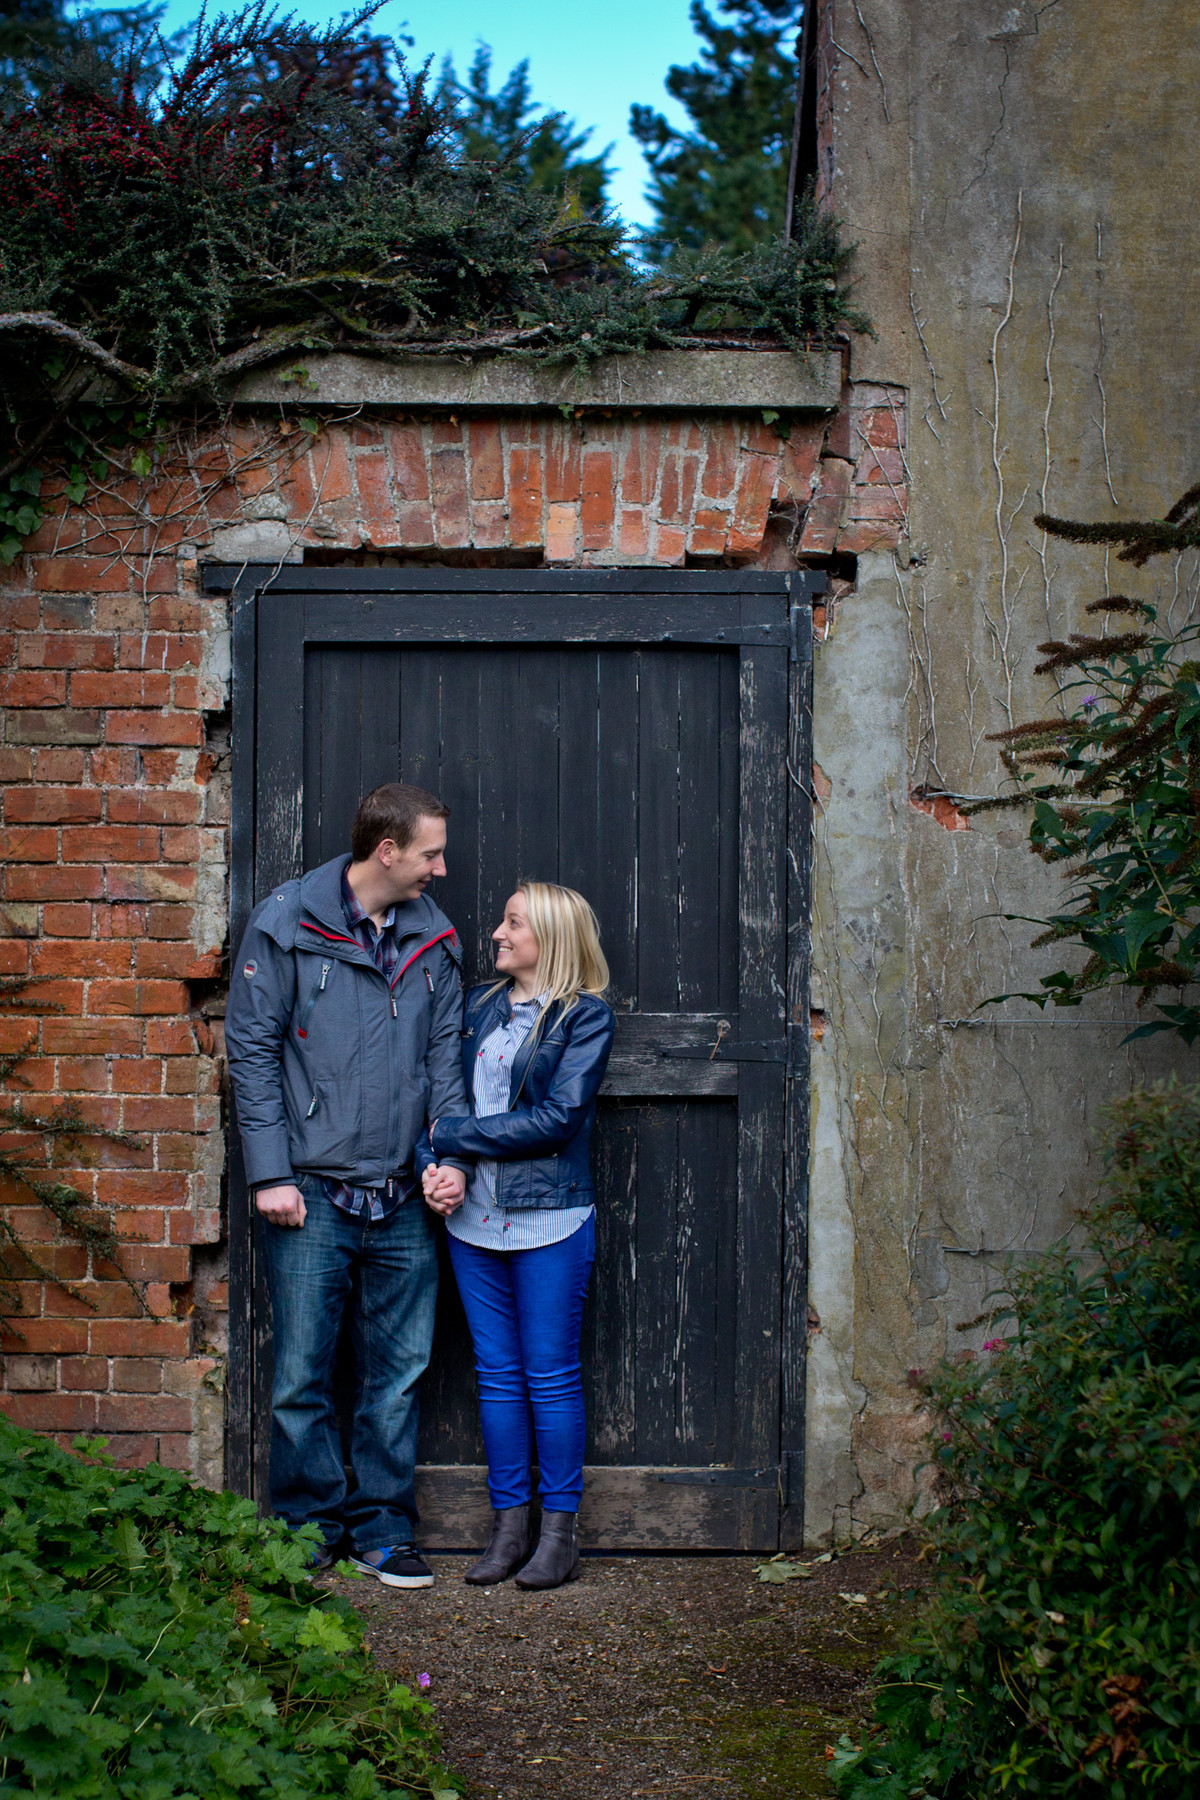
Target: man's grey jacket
column 336, row 1071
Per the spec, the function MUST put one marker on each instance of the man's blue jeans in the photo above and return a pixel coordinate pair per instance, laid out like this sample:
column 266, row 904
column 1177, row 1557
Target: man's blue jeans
column 385, row 1276
column 525, row 1310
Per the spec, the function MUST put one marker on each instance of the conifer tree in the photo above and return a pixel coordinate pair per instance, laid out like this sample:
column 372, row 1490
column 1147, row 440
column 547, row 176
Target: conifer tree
column 32, row 32
column 505, row 127
column 725, row 181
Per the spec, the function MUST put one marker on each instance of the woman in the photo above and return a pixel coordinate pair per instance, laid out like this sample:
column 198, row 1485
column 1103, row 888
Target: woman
column 522, row 1243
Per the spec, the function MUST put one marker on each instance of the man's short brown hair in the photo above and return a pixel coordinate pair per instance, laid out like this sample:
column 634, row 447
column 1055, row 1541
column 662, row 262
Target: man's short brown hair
column 394, row 811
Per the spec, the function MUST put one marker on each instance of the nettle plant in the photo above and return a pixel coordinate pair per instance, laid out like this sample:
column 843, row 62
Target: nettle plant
column 1114, row 786
column 277, row 190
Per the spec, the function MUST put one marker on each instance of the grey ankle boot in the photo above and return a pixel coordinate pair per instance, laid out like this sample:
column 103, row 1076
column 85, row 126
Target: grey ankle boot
column 509, row 1546
column 556, row 1558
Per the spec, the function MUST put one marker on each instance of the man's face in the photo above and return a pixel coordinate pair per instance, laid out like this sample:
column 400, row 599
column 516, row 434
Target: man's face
column 409, row 871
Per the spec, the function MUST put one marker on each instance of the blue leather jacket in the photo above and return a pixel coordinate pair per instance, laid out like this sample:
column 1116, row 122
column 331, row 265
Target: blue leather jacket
column 541, row 1142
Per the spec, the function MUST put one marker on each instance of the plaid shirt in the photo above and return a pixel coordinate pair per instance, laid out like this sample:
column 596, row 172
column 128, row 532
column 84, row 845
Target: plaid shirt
column 377, row 1202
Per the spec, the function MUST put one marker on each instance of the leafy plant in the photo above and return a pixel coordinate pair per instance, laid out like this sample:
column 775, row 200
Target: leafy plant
column 1114, row 784
column 1061, row 1653
column 157, row 1640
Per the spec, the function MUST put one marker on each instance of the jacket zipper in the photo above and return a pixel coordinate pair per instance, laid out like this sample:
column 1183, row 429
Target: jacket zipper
column 318, row 988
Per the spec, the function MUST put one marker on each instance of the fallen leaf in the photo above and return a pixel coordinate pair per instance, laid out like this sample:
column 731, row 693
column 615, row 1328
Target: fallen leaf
column 779, row 1570
column 853, row 1599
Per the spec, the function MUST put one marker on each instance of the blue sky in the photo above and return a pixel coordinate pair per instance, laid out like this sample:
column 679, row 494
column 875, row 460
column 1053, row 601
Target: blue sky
column 589, row 61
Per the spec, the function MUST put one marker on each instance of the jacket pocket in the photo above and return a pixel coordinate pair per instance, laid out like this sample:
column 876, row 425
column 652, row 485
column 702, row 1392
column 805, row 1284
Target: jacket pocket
column 328, row 1132
column 307, row 1010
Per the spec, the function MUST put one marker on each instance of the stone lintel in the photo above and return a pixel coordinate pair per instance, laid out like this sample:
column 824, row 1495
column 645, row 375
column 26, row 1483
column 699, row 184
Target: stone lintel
column 678, row 380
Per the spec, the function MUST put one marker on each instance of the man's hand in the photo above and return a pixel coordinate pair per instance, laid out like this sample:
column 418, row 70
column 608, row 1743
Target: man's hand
column 282, row 1205
column 444, row 1188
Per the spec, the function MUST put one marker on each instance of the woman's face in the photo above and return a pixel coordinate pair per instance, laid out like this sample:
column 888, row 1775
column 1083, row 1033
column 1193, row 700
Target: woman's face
column 516, row 947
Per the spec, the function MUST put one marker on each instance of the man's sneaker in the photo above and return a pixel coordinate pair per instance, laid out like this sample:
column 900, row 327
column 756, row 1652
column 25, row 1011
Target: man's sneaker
column 320, row 1557
column 401, row 1565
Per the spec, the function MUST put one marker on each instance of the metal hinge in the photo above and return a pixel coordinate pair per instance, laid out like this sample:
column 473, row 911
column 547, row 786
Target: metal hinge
column 765, row 1480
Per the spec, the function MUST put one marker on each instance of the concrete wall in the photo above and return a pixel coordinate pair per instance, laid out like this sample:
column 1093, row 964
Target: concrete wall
column 1019, row 181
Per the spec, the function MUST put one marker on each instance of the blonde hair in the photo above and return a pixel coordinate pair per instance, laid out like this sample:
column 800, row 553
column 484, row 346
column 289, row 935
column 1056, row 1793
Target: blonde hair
column 571, row 961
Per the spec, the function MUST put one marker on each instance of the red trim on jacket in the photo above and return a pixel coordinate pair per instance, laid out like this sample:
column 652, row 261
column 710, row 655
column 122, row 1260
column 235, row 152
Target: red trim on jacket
column 333, row 936
column 424, row 947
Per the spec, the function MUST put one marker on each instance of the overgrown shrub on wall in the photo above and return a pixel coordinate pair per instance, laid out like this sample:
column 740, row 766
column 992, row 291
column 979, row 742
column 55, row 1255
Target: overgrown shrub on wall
column 1061, row 1653
column 161, row 237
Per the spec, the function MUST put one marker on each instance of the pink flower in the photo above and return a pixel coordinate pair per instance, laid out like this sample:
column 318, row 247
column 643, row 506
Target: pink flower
column 994, row 1344
column 423, row 1680
column 947, row 1437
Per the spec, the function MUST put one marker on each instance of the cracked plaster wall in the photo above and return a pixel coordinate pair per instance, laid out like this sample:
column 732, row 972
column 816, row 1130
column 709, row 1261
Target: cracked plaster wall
column 1019, row 182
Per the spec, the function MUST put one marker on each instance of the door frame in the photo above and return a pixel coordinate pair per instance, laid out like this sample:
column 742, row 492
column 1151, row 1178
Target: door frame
column 696, row 607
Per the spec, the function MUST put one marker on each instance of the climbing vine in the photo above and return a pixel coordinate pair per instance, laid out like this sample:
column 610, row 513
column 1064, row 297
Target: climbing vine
column 160, row 238
column 1114, row 785
column 31, row 1141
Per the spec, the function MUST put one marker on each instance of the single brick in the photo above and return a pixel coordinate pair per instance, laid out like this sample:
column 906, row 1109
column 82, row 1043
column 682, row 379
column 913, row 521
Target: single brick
column 110, row 843
column 31, row 1374
column 64, row 725
column 137, row 1375
column 154, row 1262
column 114, row 768
column 177, row 959
column 22, row 920
column 562, row 532
column 32, row 687
column 139, row 1337
column 525, row 496
column 137, row 998
column 29, row 843
column 169, row 921
column 154, row 728
column 51, row 1412
column 121, row 688
column 141, row 1187
column 149, row 881
column 597, row 510
column 132, row 1451
column 68, row 650
column 83, row 957
column 375, row 497
column 80, row 575
column 92, row 1037
column 487, row 460
column 83, row 1074
column 65, row 1336
column 137, row 1075
column 407, row 446
column 16, row 765
column 86, row 1373
column 61, row 765
column 170, row 1037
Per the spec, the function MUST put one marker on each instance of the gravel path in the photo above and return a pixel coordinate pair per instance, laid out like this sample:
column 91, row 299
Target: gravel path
column 649, row 1676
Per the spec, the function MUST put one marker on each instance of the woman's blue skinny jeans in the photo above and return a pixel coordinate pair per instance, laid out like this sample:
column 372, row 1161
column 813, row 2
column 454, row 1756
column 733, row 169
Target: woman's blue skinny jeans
column 525, row 1310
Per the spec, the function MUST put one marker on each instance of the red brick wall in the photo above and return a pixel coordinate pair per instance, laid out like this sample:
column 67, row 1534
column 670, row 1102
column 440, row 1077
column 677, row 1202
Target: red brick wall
column 114, row 790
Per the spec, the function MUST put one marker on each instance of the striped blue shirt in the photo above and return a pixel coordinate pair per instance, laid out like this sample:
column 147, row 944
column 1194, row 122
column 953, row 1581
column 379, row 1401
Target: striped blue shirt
column 479, row 1220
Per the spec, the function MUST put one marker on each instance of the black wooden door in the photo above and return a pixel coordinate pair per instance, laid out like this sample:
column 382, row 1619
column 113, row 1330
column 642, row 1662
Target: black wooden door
column 626, row 733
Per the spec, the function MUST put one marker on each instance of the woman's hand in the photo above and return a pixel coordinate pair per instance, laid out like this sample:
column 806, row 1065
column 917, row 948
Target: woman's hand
column 444, row 1189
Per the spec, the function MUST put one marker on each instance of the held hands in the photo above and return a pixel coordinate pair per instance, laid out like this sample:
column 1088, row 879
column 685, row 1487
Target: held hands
column 283, row 1205
column 444, row 1188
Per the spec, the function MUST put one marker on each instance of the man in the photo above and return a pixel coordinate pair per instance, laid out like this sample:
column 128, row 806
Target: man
column 345, row 1010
